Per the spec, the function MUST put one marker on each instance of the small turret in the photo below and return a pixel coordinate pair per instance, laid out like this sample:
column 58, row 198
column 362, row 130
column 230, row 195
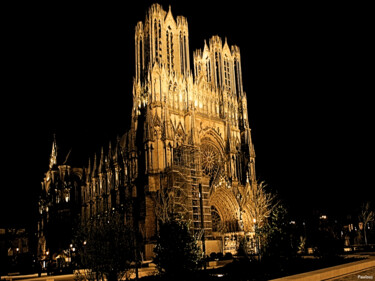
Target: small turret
column 53, row 157
column 88, row 173
column 101, row 169
column 94, row 173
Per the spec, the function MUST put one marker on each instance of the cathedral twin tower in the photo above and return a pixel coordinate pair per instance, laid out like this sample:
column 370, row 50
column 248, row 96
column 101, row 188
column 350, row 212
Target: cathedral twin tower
column 189, row 137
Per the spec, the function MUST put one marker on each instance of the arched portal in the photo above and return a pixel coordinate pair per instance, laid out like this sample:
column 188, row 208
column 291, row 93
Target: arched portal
column 225, row 210
column 226, row 207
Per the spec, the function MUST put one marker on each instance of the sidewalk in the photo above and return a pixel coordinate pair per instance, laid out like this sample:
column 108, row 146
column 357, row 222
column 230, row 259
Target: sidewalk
column 142, row 272
column 334, row 272
column 35, row 277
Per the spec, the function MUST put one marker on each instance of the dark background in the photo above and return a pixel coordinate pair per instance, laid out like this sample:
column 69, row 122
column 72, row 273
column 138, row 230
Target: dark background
column 307, row 70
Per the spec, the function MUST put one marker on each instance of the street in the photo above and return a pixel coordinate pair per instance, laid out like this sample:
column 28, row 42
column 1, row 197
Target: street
column 146, row 271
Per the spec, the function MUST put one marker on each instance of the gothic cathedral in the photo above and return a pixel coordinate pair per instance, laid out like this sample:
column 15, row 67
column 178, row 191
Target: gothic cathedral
column 189, row 142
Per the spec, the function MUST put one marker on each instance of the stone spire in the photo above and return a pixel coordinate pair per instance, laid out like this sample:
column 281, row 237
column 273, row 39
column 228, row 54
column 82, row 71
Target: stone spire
column 101, row 162
column 94, row 169
column 53, row 157
column 88, row 172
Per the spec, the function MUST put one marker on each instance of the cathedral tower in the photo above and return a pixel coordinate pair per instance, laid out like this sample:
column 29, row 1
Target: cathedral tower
column 189, row 141
column 194, row 127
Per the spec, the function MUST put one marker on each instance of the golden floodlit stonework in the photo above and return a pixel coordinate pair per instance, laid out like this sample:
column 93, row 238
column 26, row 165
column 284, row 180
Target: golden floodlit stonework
column 189, row 132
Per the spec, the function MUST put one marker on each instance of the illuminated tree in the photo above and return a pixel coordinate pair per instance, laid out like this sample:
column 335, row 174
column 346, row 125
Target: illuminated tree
column 366, row 216
column 258, row 202
column 258, row 205
column 170, row 198
column 278, row 237
column 164, row 204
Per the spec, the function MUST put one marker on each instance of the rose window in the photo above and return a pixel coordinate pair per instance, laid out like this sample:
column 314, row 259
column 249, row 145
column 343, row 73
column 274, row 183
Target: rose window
column 210, row 159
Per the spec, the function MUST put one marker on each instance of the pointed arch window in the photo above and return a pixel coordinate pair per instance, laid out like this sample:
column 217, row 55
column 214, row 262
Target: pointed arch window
column 208, row 69
column 218, row 68
column 182, row 58
column 168, row 51
column 237, row 74
column 227, row 73
column 170, row 55
column 183, row 52
column 157, row 40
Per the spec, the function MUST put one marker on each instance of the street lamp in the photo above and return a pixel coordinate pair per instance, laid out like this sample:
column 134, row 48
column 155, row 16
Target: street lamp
column 256, row 237
column 72, row 249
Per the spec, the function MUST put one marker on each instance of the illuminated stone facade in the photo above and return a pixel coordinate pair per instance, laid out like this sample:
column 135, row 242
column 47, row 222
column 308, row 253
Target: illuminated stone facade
column 189, row 131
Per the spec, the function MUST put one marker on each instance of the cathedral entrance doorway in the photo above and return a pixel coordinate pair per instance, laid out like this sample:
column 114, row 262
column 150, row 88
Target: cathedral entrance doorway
column 225, row 215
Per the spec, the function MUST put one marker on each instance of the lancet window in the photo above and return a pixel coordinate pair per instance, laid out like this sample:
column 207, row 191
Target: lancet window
column 157, row 40
column 183, row 52
column 170, row 55
column 227, row 73
column 208, row 69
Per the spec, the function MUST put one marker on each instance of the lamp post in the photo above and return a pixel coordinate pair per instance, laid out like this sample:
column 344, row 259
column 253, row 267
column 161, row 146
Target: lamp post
column 70, row 254
column 256, row 238
column 72, row 250
column 47, row 263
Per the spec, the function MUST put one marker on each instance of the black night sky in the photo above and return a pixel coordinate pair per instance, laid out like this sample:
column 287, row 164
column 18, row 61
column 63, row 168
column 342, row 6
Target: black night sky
column 307, row 70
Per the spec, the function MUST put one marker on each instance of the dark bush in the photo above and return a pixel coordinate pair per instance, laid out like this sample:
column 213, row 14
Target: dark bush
column 327, row 246
column 228, row 256
column 177, row 253
column 213, row 256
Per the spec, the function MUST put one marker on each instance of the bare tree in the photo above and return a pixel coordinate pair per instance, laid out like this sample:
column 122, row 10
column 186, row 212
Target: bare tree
column 366, row 216
column 105, row 245
column 164, row 204
column 171, row 197
column 258, row 202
